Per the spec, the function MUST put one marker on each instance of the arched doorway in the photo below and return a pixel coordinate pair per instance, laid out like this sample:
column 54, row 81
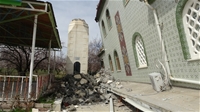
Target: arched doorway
column 77, row 67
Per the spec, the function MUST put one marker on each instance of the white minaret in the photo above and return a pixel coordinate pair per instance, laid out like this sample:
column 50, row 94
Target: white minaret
column 77, row 54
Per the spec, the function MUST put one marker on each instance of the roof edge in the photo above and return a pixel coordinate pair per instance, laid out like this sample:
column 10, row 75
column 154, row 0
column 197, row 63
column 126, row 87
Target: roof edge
column 53, row 21
column 99, row 9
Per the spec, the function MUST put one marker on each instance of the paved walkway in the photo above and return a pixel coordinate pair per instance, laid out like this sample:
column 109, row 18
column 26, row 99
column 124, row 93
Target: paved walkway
column 102, row 107
column 176, row 100
column 94, row 108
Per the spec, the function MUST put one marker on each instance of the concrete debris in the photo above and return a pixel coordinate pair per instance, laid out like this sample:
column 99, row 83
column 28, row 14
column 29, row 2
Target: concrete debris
column 97, row 75
column 76, row 106
column 81, row 89
column 128, row 89
column 77, row 76
column 62, row 85
column 84, row 89
column 71, row 108
column 83, row 81
column 109, row 81
column 119, row 86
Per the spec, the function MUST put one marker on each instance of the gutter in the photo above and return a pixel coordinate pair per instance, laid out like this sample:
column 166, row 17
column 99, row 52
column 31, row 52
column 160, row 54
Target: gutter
column 99, row 9
column 54, row 24
column 164, row 51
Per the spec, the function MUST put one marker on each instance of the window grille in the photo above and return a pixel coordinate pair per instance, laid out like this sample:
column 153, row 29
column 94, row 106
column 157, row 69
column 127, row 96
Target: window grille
column 140, row 52
column 191, row 22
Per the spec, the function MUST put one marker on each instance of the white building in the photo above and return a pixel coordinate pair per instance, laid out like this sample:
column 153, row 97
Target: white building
column 77, row 55
column 145, row 38
column 136, row 37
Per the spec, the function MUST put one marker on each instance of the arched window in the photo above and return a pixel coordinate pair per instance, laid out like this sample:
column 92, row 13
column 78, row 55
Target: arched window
column 108, row 18
column 117, row 63
column 188, row 24
column 103, row 28
column 110, row 62
column 139, row 51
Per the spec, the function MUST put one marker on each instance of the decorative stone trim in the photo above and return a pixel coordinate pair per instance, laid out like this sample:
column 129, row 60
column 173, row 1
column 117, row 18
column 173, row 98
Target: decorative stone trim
column 181, row 31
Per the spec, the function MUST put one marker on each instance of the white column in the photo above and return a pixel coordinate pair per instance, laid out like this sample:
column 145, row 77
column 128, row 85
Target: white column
column 32, row 56
column 49, row 57
column 54, row 65
column 49, row 66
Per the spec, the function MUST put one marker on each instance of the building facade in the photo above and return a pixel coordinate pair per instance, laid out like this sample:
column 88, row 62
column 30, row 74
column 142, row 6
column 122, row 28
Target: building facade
column 141, row 37
column 77, row 54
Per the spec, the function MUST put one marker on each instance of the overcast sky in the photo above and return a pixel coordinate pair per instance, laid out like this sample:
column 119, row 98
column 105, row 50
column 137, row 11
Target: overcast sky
column 66, row 10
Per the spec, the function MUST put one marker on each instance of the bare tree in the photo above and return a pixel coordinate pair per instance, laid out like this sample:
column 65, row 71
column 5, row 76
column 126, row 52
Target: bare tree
column 6, row 68
column 59, row 63
column 94, row 62
column 19, row 57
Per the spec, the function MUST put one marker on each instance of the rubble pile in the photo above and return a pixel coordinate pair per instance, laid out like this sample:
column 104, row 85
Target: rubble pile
column 76, row 90
column 80, row 88
column 83, row 88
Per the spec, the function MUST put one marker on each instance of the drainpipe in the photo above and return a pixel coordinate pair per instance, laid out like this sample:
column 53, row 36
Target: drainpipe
column 164, row 51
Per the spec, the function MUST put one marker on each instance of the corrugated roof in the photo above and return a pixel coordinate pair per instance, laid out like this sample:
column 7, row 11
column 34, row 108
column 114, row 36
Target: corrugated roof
column 16, row 24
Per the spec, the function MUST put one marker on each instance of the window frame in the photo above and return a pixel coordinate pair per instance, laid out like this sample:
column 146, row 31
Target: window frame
column 138, row 65
column 110, row 63
column 186, row 48
column 103, row 27
column 108, row 18
column 117, row 61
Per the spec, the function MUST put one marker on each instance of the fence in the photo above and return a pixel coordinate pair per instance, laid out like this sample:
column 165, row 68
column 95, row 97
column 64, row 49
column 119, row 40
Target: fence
column 12, row 87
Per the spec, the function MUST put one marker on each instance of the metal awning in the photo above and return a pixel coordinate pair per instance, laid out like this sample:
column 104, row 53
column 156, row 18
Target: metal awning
column 17, row 22
column 29, row 23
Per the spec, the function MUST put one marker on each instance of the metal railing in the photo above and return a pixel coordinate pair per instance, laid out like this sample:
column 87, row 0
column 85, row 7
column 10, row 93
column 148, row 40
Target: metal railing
column 16, row 87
